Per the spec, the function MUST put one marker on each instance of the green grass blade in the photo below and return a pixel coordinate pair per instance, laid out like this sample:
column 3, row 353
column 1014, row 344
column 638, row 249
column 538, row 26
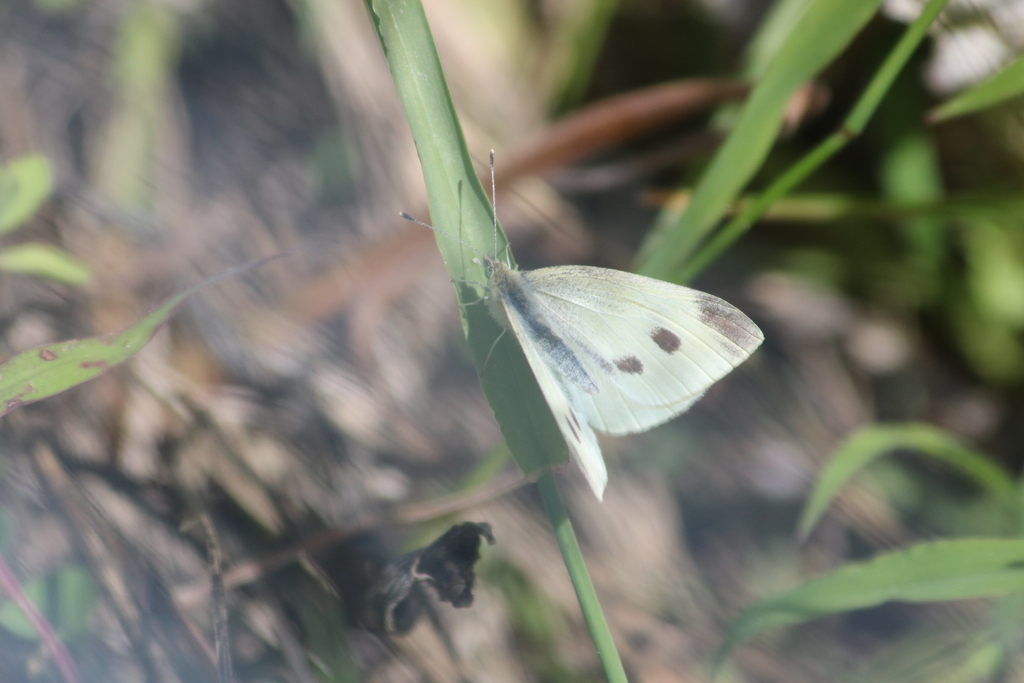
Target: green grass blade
column 800, row 171
column 1005, row 84
column 930, row 572
column 870, row 444
column 826, row 207
column 50, row 369
column 44, row 260
column 24, row 186
column 576, row 47
column 823, row 31
column 460, row 207
column 581, row 582
column 772, row 34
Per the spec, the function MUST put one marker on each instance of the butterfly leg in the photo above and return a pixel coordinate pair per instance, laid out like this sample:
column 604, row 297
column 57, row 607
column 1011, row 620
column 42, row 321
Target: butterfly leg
column 472, row 282
column 486, row 360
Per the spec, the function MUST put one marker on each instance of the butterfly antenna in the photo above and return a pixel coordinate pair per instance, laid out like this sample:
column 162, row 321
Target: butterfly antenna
column 494, row 210
column 494, row 204
column 439, row 230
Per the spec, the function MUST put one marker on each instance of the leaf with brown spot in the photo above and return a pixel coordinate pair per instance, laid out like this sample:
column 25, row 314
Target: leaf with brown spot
column 50, row 369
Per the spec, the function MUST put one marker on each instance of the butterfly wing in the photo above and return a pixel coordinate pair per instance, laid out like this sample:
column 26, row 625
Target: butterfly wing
column 576, row 431
column 652, row 348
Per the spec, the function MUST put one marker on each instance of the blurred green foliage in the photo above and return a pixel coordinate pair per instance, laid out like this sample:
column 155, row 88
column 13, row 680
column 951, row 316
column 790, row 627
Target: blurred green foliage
column 47, row 370
column 1006, row 84
column 985, row 563
column 25, row 184
column 65, row 597
column 892, row 227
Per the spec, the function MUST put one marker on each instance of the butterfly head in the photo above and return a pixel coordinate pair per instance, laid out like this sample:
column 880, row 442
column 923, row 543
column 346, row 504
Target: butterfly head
column 496, row 269
column 490, row 264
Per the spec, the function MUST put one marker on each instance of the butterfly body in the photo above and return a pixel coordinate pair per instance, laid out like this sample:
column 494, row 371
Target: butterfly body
column 616, row 351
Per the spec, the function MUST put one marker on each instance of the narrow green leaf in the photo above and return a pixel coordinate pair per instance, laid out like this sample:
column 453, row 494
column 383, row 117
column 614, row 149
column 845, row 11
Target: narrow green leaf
column 576, row 46
column 772, row 34
column 44, row 260
column 460, row 208
column 53, row 368
column 824, row 30
column 871, row 443
column 24, row 185
column 930, row 572
column 1005, row 84
column 584, row 587
column 697, row 254
column 827, row 207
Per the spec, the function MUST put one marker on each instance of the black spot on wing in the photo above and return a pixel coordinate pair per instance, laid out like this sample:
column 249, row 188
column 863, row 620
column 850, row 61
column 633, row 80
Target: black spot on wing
column 730, row 323
column 666, row 340
column 631, row 365
column 572, row 427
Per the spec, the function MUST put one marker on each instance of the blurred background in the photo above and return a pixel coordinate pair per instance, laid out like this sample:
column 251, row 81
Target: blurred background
column 322, row 411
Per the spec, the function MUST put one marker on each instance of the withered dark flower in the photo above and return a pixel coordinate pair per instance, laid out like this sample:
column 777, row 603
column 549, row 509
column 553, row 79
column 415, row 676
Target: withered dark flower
column 396, row 599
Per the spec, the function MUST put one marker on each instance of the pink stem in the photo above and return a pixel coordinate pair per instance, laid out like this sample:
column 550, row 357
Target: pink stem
column 10, row 585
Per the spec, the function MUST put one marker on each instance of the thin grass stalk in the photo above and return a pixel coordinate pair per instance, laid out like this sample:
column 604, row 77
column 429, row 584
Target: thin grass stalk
column 585, row 593
column 824, row 29
column 460, row 208
column 852, row 127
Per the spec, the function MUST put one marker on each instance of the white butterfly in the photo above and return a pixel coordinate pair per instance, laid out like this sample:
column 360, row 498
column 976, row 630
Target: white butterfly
column 614, row 351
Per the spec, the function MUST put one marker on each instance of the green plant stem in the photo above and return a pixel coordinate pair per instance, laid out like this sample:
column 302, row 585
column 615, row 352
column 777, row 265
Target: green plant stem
column 459, row 205
column 851, row 128
column 460, row 208
column 585, row 593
